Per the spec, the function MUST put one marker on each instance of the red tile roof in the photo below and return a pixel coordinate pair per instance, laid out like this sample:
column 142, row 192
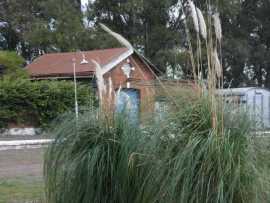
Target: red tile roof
column 61, row 65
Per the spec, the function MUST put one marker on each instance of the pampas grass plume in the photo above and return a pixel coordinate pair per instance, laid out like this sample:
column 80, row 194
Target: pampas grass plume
column 117, row 36
column 110, row 89
column 194, row 15
column 217, row 26
column 100, row 80
column 117, row 94
column 202, row 24
column 216, row 63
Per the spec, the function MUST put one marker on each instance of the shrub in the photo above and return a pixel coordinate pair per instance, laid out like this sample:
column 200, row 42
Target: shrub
column 37, row 103
column 12, row 65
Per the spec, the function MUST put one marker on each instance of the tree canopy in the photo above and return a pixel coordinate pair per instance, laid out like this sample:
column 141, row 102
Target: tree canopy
column 11, row 65
column 155, row 27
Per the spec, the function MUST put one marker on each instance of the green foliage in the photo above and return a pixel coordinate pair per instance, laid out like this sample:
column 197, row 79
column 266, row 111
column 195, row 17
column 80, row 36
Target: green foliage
column 177, row 159
column 152, row 26
column 12, row 64
column 38, row 103
column 48, row 26
column 145, row 23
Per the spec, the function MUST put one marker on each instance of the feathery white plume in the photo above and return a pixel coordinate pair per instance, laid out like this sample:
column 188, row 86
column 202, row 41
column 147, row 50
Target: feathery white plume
column 202, row 24
column 110, row 89
column 128, row 104
column 117, row 36
column 100, row 80
column 217, row 26
column 118, row 91
column 216, row 63
column 117, row 95
column 194, row 15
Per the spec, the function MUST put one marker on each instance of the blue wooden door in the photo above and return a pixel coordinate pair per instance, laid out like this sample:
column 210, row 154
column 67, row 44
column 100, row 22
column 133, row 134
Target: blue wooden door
column 128, row 102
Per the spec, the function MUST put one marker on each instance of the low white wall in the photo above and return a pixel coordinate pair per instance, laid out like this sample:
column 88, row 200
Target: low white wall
column 20, row 132
column 24, row 144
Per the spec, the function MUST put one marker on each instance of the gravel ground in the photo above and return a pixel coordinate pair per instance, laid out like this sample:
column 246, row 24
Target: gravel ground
column 21, row 163
column 21, row 176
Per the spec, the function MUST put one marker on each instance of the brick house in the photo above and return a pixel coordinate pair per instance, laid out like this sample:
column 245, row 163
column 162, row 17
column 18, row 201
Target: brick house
column 125, row 68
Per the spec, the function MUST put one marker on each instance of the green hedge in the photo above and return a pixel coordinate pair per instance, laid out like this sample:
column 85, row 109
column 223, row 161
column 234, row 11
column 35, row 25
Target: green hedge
column 27, row 103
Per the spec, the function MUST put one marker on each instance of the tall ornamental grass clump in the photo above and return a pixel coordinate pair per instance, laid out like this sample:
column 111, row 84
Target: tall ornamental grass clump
column 93, row 160
column 196, row 163
column 178, row 159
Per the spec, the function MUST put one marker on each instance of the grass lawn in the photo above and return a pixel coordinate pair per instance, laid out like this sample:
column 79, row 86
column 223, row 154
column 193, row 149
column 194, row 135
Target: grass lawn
column 21, row 190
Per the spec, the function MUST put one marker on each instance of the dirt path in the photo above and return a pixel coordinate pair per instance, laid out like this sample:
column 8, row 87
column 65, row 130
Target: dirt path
column 21, row 163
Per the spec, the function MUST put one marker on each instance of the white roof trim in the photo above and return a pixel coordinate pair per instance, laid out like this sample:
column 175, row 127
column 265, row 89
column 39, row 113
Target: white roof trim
column 106, row 68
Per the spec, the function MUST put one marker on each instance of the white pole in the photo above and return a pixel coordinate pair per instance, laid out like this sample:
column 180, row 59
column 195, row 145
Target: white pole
column 75, row 89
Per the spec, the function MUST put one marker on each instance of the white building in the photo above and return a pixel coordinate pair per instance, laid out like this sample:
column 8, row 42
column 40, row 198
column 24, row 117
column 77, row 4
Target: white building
column 256, row 100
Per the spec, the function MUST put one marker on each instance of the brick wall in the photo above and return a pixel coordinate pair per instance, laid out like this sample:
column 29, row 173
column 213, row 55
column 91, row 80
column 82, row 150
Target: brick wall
column 144, row 80
column 140, row 79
